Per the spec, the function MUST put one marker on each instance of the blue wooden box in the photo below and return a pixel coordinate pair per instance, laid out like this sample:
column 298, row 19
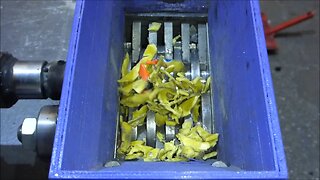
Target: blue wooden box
column 245, row 111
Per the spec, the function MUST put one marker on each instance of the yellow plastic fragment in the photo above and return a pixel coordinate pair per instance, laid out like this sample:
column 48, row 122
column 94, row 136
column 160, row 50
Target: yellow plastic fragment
column 160, row 119
column 205, row 135
column 137, row 142
column 195, row 112
column 177, row 159
column 152, row 155
column 125, row 137
column 138, row 116
column 198, row 86
column 134, row 156
column 212, row 143
column 139, row 85
column 124, row 67
column 206, row 87
column 164, row 95
column 160, row 137
column 180, row 74
column 196, row 145
column 126, row 89
column 155, row 26
column 169, row 85
column 148, row 55
column 209, row 155
column 187, row 105
column 189, row 152
column 150, row 51
column 171, row 123
column 138, row 99
column 137, row 150
column 194, row 135
column 186, row 127
column 212, row 137
column 175, row 66
column 169, row 149
column 174, row 40
column 134, row 73
column 175, row 112
column 182, row 92
column 179, row 100
column 175, row 118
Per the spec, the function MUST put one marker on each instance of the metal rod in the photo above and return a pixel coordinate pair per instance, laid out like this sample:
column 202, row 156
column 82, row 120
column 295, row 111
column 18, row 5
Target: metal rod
column 202, row 43
column 170, row 133
column 136, row 41
column 152, row 37
column 168, row 36
column 177, row 51
column 195, row 65
column 185, row 36
column 151, row 129
column 206, row 100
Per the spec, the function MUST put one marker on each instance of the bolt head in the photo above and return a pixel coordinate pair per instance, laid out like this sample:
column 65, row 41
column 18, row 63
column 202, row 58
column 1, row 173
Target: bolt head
column 28, row 133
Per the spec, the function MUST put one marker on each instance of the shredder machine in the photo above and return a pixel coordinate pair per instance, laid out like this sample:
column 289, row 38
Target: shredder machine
column 221, row 39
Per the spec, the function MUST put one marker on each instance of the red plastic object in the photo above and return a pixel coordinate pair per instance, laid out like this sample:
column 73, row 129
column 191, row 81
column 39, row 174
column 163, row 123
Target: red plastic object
column 269, row 31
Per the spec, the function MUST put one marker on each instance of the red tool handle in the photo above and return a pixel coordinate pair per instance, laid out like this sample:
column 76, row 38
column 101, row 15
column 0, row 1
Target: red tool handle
column 289, row 23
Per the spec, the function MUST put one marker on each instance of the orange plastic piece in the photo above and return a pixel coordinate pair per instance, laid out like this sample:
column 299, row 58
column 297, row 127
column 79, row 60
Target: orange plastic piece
column 154, row 62
column 143, row 72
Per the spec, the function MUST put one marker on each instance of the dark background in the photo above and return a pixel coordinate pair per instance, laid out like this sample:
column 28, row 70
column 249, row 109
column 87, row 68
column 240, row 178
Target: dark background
column 40, row 30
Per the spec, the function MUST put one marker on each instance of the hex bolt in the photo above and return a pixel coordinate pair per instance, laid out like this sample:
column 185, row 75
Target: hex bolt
column 36, row 134
column 27, row 133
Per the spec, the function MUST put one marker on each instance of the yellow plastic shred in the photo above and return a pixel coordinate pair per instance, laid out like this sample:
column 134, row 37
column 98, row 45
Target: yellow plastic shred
column 134, row 73
column 150, row 51
column 139, row 85
column 160, row 137
column 160, row 119
column 196, row 145
column 125, row 137
column 137, row 142
column 189, row 152
column 134, row 156
column 206, row 87
column 198, row 86
column 155, row 26
column 138, row 99
column 152, row 155
column 138, row 116
column 148, row 55
column 194, row 135
column 124, row 68
column 174, row 40
column 171, row 123
column 138, row 151
column 171, row 96
column 186, row 128
column 195, row 112
column 168, row 151
column 209, row 155
column 187, row 105
column 125, row 90
column 175, row 66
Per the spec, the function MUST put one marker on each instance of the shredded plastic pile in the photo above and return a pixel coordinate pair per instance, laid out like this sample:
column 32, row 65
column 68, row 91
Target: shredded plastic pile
column 162, row 87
